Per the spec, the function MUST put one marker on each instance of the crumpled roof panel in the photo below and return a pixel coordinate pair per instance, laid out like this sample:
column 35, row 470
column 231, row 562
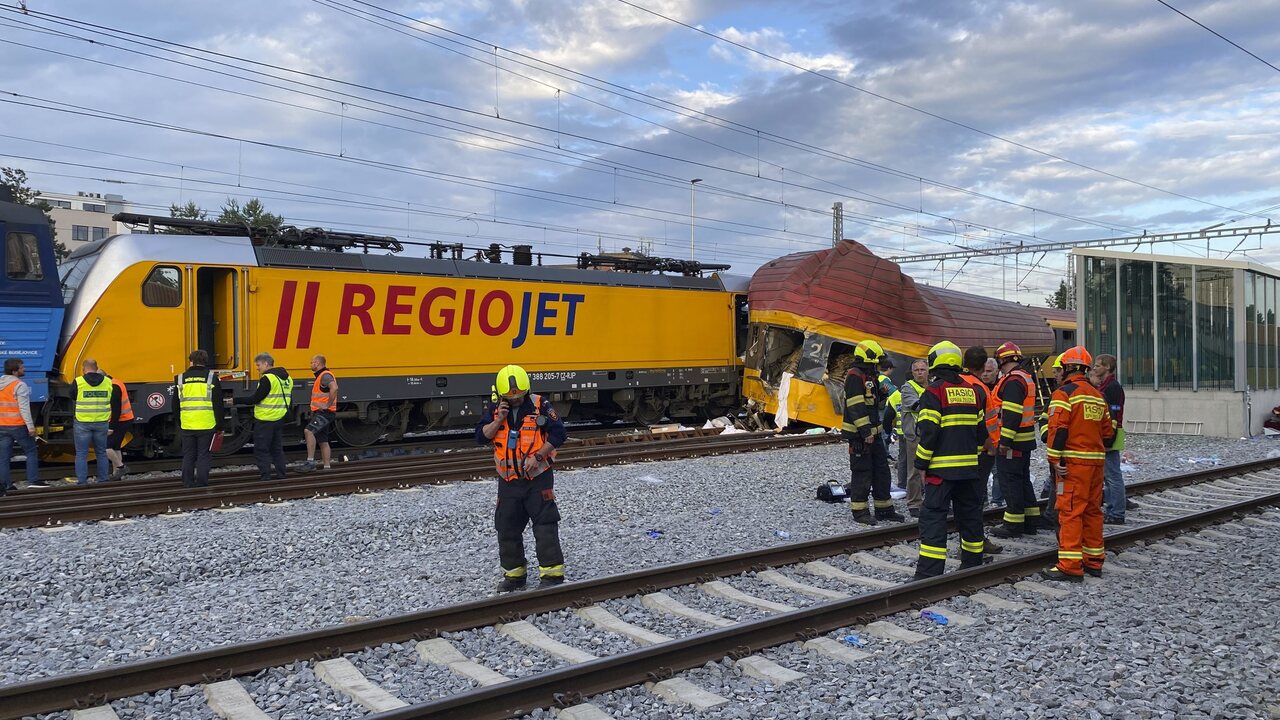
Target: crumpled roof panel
column 850, row 286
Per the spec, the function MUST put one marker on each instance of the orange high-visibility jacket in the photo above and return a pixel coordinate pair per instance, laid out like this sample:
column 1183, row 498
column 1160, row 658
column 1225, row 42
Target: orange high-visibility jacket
column 991, row 416
column 530, row 437
column 1080, row 429
column 1016, row 397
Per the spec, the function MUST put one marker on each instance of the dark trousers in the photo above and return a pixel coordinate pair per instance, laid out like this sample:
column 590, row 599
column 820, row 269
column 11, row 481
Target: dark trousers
column 869, row 474
column 11, row 434
column 1020, row 507
column 964, row 499
column 195, row 457
column 268, row 447
column 521, row 502
column 985, row 464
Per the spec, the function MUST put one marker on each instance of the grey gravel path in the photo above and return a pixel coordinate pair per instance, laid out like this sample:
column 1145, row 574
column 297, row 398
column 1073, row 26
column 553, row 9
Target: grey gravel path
column 98, row 595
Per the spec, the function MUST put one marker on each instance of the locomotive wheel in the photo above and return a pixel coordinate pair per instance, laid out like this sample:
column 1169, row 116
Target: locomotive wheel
column 355, row 433
column 647, row 414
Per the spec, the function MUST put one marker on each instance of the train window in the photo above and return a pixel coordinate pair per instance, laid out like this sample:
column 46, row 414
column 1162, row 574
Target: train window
column 22, row 257
column 162, row 288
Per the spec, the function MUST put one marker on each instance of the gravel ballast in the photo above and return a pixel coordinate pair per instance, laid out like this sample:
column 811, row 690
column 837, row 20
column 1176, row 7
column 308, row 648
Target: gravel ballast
column 97, row 595
column 1190, row 638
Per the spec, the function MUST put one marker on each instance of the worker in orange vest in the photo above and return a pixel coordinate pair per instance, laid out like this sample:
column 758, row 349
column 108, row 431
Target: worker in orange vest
column 1079, row 433
column 324, row 413
column 1016, row 394
column 525, row 431
column 16, row 424
column 119, row 427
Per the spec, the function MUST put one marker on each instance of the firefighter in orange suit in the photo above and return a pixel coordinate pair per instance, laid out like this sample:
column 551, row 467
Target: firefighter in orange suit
column 525, row 431
column 868, row 459
column 1016, row 393
column 1080, row 431
column 951, row 424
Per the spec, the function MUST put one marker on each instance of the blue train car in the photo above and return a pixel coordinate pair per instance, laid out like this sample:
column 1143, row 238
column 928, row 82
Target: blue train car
column 31, row 305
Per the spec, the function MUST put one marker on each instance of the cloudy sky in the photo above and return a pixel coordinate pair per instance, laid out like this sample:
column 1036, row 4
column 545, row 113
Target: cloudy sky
column 577, row 124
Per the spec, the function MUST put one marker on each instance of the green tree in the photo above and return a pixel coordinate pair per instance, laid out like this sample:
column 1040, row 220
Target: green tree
column 252, row 214
column 16, row 180
column 190, row 211
column 1062, row 298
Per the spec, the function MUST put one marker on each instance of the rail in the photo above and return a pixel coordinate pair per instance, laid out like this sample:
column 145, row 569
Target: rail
column 91, row 687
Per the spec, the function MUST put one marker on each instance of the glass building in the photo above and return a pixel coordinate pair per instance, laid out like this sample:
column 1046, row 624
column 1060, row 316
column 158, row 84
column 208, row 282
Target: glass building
column 1184, row 324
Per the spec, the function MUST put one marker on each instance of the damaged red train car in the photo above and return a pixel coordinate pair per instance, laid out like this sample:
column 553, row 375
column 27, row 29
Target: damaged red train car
column 808, row 311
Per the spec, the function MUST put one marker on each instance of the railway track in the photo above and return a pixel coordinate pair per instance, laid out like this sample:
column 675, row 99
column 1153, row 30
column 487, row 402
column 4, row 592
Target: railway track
column 65, row 472
column 118, row 502
column 789, row 593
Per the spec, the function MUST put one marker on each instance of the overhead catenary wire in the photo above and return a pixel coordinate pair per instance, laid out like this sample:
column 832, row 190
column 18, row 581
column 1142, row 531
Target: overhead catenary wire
column 125, row 35
column 1220, row 36
column 927, row 113
column 920, row 229
column 678, row 182
column 689, row 113
column 509, row 188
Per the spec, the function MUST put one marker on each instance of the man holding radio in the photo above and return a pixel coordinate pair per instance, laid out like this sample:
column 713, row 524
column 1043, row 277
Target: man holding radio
column 525, row 431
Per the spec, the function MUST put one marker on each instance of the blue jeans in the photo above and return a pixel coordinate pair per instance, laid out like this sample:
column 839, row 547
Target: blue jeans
column 8, row 436
column 95, row 434
column 1113, row 499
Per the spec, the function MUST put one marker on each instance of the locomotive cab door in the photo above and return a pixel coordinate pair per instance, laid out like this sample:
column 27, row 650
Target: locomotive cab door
column 217, row 315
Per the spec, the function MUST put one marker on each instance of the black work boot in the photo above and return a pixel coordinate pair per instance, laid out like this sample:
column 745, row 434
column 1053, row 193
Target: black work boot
column 1008, row 530
column 863, row 517
column 1095, row 572
column 1057, row 575
column 550, row 581
column 890, row 514
column 511, row 583
column 991, row 547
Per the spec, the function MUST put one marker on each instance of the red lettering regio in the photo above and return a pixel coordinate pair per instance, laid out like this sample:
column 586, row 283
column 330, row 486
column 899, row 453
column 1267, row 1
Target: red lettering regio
column 438, row 313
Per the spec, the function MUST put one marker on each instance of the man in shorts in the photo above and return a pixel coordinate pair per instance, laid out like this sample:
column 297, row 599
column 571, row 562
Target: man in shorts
column 324, row 408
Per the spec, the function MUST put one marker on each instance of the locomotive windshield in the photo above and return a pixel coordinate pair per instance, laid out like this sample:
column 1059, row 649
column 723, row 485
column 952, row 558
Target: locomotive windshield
column 73, row 270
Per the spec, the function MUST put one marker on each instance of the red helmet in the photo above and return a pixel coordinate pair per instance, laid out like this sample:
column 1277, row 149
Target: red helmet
column 1008, row 352
column 1076, row 356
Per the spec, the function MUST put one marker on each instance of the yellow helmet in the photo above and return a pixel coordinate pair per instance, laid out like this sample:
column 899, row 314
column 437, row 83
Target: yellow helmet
column 1057, row 362
column 512, row 379
column 945, row 354
column 868, row 351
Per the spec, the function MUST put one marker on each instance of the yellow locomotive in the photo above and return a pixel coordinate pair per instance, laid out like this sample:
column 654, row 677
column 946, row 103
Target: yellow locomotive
column 414, row 341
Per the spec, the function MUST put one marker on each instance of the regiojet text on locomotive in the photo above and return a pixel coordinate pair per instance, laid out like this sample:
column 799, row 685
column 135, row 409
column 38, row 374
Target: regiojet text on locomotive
column 439, row 311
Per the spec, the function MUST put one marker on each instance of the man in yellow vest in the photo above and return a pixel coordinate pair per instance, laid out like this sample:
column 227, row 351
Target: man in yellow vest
column 16, row 424
column 199, row 395
column 525, row 431
column 271, row 402
column 904, row 404
column 96, row 407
